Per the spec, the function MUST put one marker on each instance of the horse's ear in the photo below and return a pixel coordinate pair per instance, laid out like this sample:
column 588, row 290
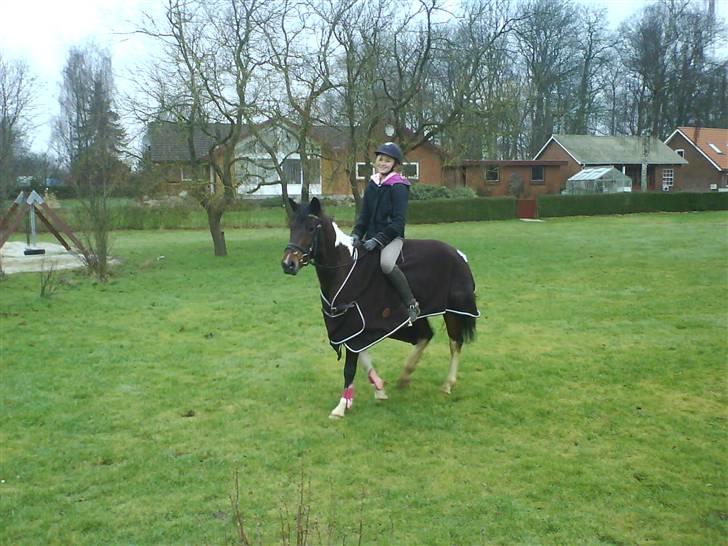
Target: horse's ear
column 293, row 204
column 315, row 206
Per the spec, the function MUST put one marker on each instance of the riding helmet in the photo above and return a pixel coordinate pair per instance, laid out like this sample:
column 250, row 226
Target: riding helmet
column 390, row 149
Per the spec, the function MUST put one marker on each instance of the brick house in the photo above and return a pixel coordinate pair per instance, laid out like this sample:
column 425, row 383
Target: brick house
column 167, row 145
column 625, row 153
column 706, row 151
column 520, row 178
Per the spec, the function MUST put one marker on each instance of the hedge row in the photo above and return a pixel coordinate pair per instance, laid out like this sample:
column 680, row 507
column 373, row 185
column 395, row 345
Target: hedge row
column 461, row 210
column 626, row 203
column 131, row 216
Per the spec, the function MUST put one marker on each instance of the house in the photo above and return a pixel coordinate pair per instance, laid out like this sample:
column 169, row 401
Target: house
column 168, row 146
column 628, row 154
column 706, row 151
column 520, row 178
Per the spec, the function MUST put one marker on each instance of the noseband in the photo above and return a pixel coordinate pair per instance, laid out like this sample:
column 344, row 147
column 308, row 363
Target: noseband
column 307, row 255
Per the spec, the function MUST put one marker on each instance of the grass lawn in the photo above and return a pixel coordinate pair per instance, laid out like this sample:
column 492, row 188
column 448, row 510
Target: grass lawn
column 591, row 409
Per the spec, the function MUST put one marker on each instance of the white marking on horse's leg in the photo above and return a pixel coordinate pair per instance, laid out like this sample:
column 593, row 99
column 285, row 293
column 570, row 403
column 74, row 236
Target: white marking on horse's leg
column 379, row 394
column 345, row 403
column 365, row 360
column 454, row 361
column 339, row 411
column 411, row 363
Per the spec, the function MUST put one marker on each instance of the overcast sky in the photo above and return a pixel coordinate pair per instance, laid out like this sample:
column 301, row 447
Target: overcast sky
column 41, row 32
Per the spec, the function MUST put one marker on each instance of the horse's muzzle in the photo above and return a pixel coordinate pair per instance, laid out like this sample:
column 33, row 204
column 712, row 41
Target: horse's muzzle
column 289, row 264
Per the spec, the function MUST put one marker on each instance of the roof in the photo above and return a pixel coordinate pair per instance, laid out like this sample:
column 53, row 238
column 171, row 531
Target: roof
column 614, row 150
column 709, row 141
column 510, row 163
column 597, row 173
column 168, row 141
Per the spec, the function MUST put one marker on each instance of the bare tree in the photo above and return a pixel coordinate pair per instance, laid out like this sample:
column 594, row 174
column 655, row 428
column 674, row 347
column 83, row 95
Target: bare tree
column 209, row 60
column 17, row 95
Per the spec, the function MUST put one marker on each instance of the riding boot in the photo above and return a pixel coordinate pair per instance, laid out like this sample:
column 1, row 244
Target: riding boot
column 399, row 281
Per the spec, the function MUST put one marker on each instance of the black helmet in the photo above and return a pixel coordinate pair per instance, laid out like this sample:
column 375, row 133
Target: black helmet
column 390, row 149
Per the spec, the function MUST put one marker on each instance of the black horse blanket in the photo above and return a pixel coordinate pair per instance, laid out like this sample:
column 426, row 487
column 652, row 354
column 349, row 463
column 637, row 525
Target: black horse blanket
column 366, row 308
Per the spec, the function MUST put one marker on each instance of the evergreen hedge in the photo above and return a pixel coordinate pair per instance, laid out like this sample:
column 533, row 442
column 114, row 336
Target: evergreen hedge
column 626, row 203
column 435, row 211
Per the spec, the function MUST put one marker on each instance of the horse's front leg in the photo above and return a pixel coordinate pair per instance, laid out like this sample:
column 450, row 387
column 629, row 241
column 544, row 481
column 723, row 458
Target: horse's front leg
column 347, row 396
column 365, row 361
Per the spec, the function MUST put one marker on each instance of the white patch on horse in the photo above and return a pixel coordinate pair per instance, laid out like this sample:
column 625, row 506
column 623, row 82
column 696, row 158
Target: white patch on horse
column 463, row 256
column 343, row 239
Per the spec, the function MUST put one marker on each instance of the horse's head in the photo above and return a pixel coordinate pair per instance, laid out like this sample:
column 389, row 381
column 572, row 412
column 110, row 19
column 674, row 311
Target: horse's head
column 306, row 227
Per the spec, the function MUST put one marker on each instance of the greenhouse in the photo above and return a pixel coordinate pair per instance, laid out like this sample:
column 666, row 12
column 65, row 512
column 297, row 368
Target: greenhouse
column 598, row 180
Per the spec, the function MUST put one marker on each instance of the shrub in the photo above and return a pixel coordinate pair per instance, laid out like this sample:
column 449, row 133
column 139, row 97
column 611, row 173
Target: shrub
column 424, row 192
column 626, row 203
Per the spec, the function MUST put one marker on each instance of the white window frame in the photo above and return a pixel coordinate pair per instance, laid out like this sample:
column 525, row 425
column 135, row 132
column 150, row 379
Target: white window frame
column 680, row 152
column 668, row 179
column 360, row 164
column 363, row 164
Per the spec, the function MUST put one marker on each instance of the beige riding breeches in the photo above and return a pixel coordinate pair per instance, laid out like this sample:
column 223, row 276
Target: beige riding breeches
column 389, row 255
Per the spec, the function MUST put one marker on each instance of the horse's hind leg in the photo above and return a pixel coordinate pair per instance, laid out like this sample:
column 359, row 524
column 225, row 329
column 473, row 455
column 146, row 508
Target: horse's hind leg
column 455, row 333
column 422, row 335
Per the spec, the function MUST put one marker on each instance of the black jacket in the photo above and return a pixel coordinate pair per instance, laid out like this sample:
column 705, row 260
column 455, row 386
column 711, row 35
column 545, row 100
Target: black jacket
column 383, row 212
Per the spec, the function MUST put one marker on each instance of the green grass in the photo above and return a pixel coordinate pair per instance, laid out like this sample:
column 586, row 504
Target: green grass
column 590, row 410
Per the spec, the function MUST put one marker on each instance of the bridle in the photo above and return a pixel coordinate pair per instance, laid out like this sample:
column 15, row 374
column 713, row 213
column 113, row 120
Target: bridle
column 307, row 255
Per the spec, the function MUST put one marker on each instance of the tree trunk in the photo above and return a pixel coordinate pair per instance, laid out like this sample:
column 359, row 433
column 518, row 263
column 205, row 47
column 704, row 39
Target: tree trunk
column 214, row 220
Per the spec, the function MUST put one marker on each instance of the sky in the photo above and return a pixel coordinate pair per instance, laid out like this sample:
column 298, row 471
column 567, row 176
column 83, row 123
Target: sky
column 41, row 32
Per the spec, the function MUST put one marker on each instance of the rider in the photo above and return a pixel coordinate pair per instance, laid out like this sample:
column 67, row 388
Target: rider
column 382, row 219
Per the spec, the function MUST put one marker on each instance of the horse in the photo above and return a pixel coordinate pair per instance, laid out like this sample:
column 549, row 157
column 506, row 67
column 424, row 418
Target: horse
column 361, row 308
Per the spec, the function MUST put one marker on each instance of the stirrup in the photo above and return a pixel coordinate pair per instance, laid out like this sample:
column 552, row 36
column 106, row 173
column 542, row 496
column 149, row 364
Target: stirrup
column 413, row 310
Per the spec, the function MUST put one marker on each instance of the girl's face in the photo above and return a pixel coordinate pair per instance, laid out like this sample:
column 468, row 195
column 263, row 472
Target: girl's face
column 383, row 164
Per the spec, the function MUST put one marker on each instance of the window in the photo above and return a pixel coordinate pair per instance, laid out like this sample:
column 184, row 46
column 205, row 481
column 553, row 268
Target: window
column 537, row 174
column 492, row 174
column 715, row 148
column 411, row 170
column 185, row 174
column 364, row 171
column 668, row 176
column 680, row 152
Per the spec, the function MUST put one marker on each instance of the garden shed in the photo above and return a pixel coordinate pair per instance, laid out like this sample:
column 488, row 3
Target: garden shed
column 598, row 180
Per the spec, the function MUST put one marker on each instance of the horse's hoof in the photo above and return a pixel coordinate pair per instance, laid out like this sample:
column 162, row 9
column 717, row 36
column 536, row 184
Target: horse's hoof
column 339, row 411
column 446, row 388
column 380, row 395
column 403, row 383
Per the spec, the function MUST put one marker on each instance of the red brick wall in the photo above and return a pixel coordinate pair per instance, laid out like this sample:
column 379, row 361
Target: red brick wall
column 698, row 174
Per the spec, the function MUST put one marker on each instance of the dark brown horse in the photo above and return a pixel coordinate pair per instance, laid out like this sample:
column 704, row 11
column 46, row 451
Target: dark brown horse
column 360, row 307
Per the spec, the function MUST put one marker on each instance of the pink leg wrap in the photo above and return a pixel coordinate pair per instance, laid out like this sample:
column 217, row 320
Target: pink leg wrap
column 348, row 395
column 375, row 380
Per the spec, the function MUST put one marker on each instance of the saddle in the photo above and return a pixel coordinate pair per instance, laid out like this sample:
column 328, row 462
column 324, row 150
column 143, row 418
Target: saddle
column 366, row 308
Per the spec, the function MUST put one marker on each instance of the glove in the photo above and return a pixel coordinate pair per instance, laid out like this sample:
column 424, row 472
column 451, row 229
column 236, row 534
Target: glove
column 370, row 244
column 355, row 240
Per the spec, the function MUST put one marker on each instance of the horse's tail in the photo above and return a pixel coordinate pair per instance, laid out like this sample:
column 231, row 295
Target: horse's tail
column 468, row 326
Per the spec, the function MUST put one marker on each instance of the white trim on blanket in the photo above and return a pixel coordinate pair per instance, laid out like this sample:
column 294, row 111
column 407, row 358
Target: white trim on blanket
column 385, row 336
